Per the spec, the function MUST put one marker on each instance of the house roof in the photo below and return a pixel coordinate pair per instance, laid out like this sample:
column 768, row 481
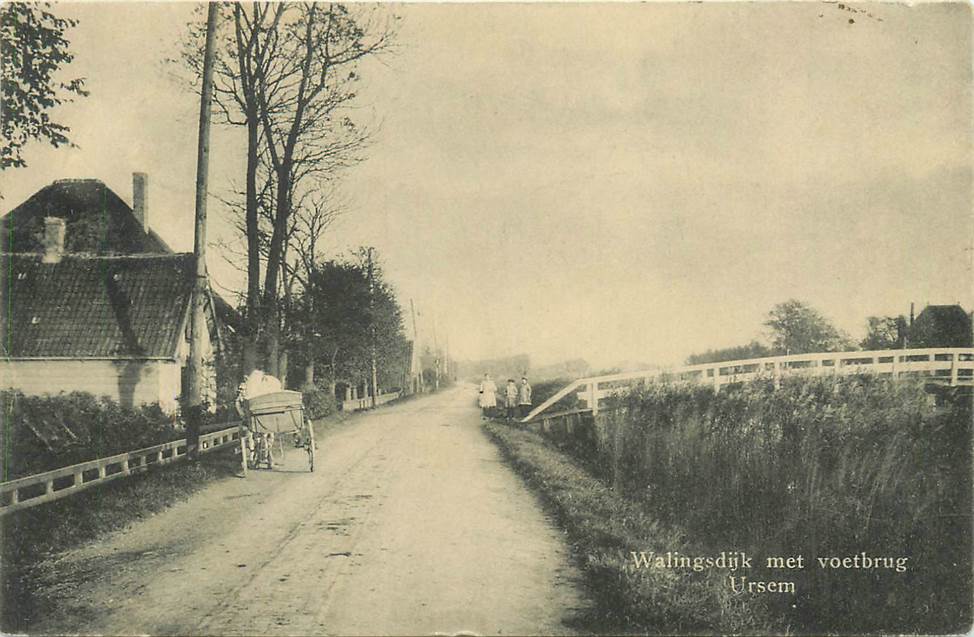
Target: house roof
column 97, row 221
column 94, row 307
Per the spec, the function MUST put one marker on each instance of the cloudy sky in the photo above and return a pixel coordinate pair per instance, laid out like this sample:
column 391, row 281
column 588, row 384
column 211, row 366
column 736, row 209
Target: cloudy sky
column 613, row 182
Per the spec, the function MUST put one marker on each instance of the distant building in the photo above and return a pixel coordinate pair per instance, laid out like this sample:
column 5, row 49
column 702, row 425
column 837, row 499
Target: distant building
column 941, row 326
column 95, row 301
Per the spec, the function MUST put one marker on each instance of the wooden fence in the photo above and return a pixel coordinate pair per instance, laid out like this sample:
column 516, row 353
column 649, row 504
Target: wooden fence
column 947, row 365
column 58, row 483
column 365, row 402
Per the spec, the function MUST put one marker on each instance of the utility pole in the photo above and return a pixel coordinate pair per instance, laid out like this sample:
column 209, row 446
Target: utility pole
column 198, row 324
column 197, row 318
column 436, row 359
column 375, row 375
column 412, row 308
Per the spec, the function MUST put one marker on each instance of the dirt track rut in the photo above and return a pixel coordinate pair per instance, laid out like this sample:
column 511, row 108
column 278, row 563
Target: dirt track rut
column 412, row 524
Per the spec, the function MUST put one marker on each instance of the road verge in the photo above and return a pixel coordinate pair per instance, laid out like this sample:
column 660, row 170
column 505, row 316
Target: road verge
column 604, row 529
column 33, row 539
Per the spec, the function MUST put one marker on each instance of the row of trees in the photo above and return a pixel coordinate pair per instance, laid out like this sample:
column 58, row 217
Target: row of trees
column 286, row 75
column 345, row 314
column 795, row 327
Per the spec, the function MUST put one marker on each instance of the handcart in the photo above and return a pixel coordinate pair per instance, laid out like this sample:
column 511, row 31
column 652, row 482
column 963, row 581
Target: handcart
column 270, row 421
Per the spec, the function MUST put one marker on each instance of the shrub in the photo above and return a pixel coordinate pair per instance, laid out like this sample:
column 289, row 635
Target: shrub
column 319, row 401
column 41, row 433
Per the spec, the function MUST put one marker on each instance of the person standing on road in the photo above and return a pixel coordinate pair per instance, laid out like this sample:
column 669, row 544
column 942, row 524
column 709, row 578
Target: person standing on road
column 510, row 394
column 524, row 397
column 488, row 396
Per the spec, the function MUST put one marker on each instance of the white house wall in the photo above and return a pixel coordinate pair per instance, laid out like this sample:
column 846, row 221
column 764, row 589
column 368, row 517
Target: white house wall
column 130, row 383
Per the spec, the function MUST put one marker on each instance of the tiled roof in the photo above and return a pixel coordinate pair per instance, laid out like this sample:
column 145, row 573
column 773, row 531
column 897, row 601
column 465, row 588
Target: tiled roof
column 97, row 220
column 84, row 307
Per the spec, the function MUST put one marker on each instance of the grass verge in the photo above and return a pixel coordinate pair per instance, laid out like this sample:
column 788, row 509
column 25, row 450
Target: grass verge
column 32, row 539
column 603, row 528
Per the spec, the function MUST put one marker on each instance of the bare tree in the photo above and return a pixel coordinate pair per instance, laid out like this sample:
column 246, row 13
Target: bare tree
column 288, row 72
column 300, row 105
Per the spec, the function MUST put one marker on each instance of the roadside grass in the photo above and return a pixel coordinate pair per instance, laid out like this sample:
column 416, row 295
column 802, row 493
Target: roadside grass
column 603, row 528
column 32, row 539
column 823, row 468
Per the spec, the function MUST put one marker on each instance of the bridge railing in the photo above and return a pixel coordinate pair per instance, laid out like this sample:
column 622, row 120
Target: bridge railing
column 948, row 365
column 58, row 483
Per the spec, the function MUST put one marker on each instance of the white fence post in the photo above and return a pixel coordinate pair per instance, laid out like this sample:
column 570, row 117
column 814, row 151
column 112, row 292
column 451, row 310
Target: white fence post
column 593, row 396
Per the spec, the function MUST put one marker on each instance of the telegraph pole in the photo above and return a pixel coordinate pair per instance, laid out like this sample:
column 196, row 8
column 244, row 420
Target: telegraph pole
column 436, row 359
column 412, row 308
column 197, row 318
column 375, row 375
column 199, row 239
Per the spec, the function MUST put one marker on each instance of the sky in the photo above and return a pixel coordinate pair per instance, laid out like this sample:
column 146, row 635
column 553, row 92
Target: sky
column 614, row 182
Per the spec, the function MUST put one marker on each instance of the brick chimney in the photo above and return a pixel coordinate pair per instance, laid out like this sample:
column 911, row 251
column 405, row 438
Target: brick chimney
column 140, row 197
column 53, row 239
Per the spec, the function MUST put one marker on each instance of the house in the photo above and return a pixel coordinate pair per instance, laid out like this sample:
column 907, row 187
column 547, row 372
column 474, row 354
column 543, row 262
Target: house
column 97, row 221
column 106, row 312
column 941, row 326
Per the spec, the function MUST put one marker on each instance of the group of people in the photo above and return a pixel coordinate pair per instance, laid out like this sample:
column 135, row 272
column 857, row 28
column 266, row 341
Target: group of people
column 516, row 397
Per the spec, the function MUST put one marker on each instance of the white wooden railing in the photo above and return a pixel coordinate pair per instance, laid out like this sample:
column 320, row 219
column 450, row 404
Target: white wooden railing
column 949, row 365
column 58, row 483
column 365, row 402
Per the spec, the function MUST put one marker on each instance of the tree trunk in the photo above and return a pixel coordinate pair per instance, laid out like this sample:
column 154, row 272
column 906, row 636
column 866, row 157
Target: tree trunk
column 247, row 77
column 282, row 367
column 249, row 357
column 309, row 375
column 271, row 303
column 253, row 252
column 273, row 344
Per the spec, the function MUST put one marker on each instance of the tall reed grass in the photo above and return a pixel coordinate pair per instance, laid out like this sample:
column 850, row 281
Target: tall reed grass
column 819, row 467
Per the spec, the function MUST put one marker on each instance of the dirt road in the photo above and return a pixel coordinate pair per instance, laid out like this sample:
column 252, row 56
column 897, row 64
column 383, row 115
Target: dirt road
column 412, row 524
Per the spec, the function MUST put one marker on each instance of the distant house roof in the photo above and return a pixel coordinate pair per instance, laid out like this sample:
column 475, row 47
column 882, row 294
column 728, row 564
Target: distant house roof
column 95, row 307
column 97, row 220
column 941, row 326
